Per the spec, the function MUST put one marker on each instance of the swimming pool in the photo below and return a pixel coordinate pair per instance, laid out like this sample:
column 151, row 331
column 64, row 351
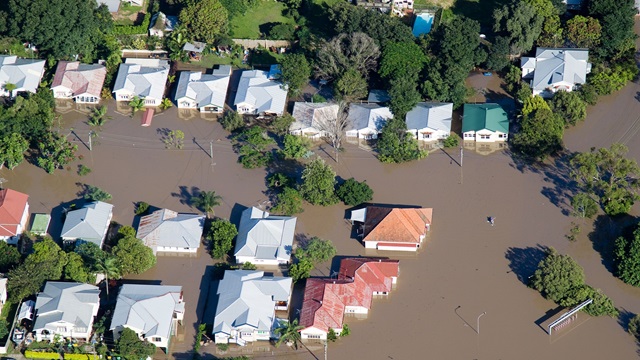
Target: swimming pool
column 423, row 23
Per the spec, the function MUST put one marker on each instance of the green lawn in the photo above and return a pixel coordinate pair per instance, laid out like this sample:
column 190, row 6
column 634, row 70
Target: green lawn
column 247, row 26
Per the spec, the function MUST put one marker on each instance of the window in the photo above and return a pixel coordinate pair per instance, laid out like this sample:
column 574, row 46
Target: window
column 243, row 334
column 468, row 135
column 156, row 339
column 485, row 137
column 502, row 136
column 314, row 337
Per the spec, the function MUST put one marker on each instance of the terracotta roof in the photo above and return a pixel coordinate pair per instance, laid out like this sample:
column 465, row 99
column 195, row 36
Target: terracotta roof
column 80, row 78
column 12, row 205
column 321, row 308
column 376, row 273
column 396, row 224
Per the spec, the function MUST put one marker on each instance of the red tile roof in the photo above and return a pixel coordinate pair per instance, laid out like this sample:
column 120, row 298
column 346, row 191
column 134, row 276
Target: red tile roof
column 12, row 205
column 396, row 224
column 325, row 299
column 80, row 78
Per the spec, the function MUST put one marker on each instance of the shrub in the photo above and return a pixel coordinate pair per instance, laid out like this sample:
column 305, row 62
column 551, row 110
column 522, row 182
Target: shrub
column 451, row 141
column 83, row 170
column 142, row 208
column 353, row 193
column 231, row 121
column 94, row 193
column 634, row 326
column 317, row 98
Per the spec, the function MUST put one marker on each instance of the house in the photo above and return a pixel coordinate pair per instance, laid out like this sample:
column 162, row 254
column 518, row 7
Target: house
column 484, row 123
column 553, row 70
column 81, row 82
column 66, row 309
column 89, row 223
column 206, row 92
column 167, row 231
column 264, row 239
column 430, row 121
column 19, row 75
column 258, row 95
column 247, row 304
column 311, row 119
column 386, row 228
column 161, row 24
column 367, row 120
column 14, row 214
column 152, row 311
column 144, row 78
column 326, row 301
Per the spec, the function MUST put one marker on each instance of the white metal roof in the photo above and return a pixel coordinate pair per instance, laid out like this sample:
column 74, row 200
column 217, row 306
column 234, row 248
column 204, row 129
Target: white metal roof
column 436, row 116
column 204, row 89
column 25, row 74
column 560, row 65
column 368, row 116
column 265, row 236
column 169, row 229
column 88, row 223
column 143, row 77
column 68, row 302
column 263, row 94
column 312, row 115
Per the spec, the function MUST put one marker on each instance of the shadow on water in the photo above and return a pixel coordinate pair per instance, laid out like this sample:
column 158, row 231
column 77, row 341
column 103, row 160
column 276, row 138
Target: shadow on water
column 524, row 261
column 606, row 230
column 58, row 215
column 186, row 194
column 624, row 318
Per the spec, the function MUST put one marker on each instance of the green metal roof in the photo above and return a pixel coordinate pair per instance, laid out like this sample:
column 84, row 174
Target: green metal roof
column 40, row 223
column 484, row 116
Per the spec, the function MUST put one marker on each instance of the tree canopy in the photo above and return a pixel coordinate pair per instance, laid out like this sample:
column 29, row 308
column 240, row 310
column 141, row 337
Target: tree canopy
column 540, row 134
column 130, row 347
column 521, row 23
column 353, row 193
column 221, row 234
column 402, row 60
column 355, row 51
column 318, row 183
column 316, row 250
column 9, row 256
column 570, row 106
column 295, row 70
column 396, row 145
column 133, row 256
column 627, row 258
column 204, row 20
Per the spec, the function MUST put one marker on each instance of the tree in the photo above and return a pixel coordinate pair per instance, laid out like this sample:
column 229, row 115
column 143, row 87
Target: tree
column 295, row 72
column 498, row 57
column 55, row 152
column 353, row 51
column 280, row 180
column 540, row 134
column 316, row 250
column 300, row 270
column 76, row 270
column 206, row 201
column 404, row 96
column 627, row 258
column 609, row 175
column 533, row 104
column 295, row 147
column 617, row 21
column 109, row 266
column 333, row 125
column 136, row 105
column 231, row 121
column 396, row 145
column 552, row 32
column 173, row 139
column 165, row 104
column 9, row 257
column 49, row 257
column 354, row 193
column 519, row 22
column 281, row 124
column 384, row 29
column 402, row 60
column 289, row 202
column 570, row 106
column 251, row 144
column 204, row 20
column 558, row 277
column 634, row 327
column 94, row 193
column 606, row 80
column 318, row 183
column 12, row 148
column 584, row 205
column 130, row 347
column 351, row 85
column 99, row 116
column 133, row 256
column 221, row 234
column 24, row 280
column 4, row 328
column 584, row 32
column 289, row 334
column 601, row 304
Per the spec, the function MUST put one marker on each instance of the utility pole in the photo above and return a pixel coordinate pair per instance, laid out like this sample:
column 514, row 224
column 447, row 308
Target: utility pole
column 325, row 348
column 211, row 151
column 90, row 140
column 461, row 159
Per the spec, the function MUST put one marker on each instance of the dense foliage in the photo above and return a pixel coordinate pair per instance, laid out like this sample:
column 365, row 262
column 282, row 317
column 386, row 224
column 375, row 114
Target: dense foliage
column 627, row 258
column 318, row 183
column 353, row 193
column 221, row 234
column 396, row 145
column 133, row 256
column 130, row 347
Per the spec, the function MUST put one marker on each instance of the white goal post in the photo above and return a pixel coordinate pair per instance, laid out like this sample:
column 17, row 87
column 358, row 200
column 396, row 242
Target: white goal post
column 567, row 317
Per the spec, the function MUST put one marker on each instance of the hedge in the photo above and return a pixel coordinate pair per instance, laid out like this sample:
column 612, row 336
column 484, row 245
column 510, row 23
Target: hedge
column 133, row 30
column 55, row 356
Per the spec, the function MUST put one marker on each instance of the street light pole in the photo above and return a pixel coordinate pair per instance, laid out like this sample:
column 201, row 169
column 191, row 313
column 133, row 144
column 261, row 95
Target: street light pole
column 478, row 322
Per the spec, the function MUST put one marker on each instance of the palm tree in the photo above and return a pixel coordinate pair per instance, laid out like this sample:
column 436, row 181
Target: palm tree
column 108, row 266
column 165, row 104
column 9, row 87
column 99, row 116
column 136, row 105
column 289, row 334
column 206, row 201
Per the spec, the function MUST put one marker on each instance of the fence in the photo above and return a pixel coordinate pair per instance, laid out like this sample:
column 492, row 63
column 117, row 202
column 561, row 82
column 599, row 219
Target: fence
column 253, row 44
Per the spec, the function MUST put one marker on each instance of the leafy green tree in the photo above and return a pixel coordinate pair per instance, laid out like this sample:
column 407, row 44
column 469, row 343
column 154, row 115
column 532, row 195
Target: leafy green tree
column 91, row 254
column 99, row 116
column 617, row 21
column 30, row 116
column 4, row 328
column 295, row 147
column 384, row 29
column 540, row 134
column 588, row 94
column 142, row 208
column 251, row 144
column 289, row 202
column 221, row 235
column 280, row 180
column 237, row 7
column 520, row 22
column 404, row 96
column 300, row 270
column 452, row 141
column 318, row 183
column 351, row 85
column 248, row 266
column 133, row 256
column 9, row 257
column 231, row 121
column 498, row 56
column 601, row 304
column 584, row 31
column 206, row 201
column 94, row 193
column 130, row 347
column 609, row 175
column 552, row 32
column 55, row 152
column 534, row 104
column 627, row 258
column 76, row 270
column 396, row 145
column 557, row 277
column 607, row 80
column 25, row 280
column 316, row 250
column 346, row 331
column 353, row 193
column 634, row 326
column 570, row 106
column 513, row 78
column 204, row 20
column 584, row 205
column 109, row 266
column 289, row 333
column 165, row 104
column 136, row 104
column 12, row 148
column 402, row 60
column 295, row 70
column 355, row 51
column 281, row 124
column 49, row 257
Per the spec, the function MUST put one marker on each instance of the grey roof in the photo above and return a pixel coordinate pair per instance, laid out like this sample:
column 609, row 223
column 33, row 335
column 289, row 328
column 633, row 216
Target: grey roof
column 206, row 90
column 248, row 298
column 265, row 236
column 88, row 223
column 24, row 73
column 112, row 5
column 263, row 94
column 436, row 116
column 312, row 115
column 196, row 46
column 378, row 96
column 69, row 302
column 371, row 116
column 556, row 65
column 148, row 309
column 168, row 228
column 143, row 77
